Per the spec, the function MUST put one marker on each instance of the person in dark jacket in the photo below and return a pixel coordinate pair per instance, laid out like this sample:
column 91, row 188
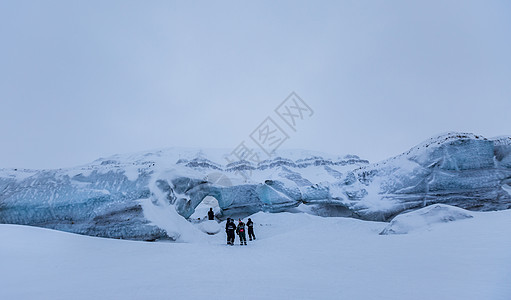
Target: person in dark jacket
column 230, row 227
column 250, row 226
column 211, row 214
column 240, row 230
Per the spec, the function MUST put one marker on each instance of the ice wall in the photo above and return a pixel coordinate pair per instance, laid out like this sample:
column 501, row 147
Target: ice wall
column 148, row 196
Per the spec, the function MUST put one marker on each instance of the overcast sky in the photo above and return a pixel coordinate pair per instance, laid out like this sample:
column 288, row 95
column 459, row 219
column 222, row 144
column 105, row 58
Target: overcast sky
column 86, row 79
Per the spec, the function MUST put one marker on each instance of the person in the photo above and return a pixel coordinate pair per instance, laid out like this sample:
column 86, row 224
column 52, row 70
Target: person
column 250, row 226
column 211, row 214
column 240, row 230
column 230, row 227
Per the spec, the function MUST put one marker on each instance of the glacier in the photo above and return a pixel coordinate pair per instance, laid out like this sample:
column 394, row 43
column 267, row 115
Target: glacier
column 150, row 195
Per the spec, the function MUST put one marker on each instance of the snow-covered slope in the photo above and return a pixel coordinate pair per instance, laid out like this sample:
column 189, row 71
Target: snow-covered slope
column 146, row 195
column 425, row 218
column 295, row 256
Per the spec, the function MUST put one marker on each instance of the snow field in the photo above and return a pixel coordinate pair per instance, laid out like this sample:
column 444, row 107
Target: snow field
column 295, row 256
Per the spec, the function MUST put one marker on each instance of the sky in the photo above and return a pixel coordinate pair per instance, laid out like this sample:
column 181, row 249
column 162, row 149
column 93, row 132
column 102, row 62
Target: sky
column 81, row 80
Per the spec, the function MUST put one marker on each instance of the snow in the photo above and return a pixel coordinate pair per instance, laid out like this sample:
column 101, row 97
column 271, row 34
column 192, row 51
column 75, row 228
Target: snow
column 210, row 227
column 18, row 174
column 507, row 188
column 131, row 173
column 295, row 256
column 166, row 218
column 425, row 218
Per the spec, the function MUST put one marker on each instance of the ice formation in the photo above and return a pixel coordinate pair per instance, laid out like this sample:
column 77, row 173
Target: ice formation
column 147, row 196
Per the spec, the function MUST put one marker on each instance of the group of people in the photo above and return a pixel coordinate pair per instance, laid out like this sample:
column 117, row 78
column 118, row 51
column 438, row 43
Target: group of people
column 230, row 228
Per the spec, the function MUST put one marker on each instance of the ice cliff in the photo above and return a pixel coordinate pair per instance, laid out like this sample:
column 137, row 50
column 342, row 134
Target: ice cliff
column 147, row 196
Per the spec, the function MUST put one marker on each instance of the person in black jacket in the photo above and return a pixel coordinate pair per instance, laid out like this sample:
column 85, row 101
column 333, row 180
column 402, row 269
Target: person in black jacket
column 240, row 230
column 230, row 227
column 211, row 214
column 250, row 226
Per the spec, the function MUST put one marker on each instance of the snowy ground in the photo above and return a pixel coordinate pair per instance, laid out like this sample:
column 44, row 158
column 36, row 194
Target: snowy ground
column 296, row 256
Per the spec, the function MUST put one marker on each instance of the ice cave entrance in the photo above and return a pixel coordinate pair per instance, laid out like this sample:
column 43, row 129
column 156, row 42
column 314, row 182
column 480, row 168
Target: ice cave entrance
column 201, row 211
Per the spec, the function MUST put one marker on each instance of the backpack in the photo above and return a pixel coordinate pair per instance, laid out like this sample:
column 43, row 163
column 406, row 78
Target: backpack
column 231, row 226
